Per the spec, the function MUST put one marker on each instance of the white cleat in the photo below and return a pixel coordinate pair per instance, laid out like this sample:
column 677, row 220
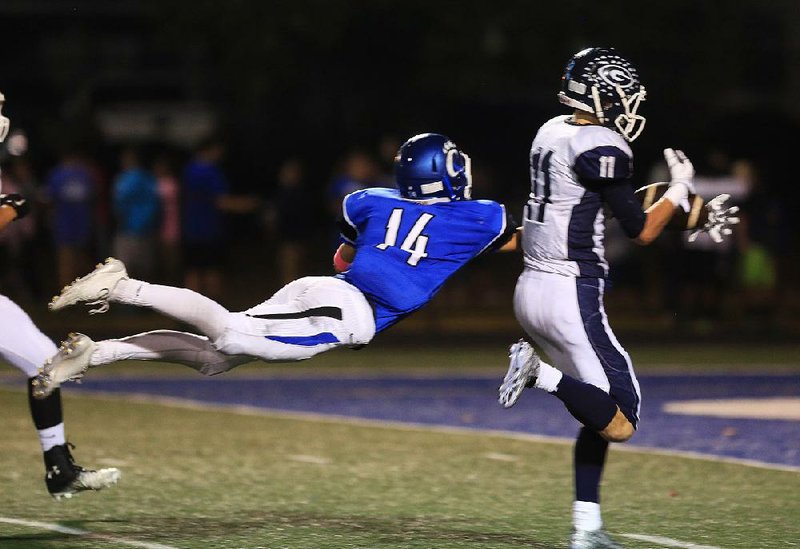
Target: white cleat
column 522, row 371
column 592, row 539
column 89, row 480
column 68, row 364
column 93, row 288
column 64, row 477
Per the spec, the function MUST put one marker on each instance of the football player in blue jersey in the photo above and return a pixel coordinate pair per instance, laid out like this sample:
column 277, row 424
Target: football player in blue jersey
column 25, row 347
column 400, row 246
column 579, row 164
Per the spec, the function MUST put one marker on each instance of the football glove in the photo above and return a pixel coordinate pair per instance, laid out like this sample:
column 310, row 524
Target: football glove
column 16, row 201
column 720, row 219
column 681, row 169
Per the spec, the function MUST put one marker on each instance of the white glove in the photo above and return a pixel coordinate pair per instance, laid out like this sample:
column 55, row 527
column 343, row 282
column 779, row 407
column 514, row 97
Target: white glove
column 680, row 168
column 719, row 221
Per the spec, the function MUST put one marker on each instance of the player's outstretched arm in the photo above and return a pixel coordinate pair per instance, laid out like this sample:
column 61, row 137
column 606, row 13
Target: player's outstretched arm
column 662, row 211
column 694, row 214
column 513, row 244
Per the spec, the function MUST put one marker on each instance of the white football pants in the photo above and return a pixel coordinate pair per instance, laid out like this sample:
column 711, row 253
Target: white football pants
column 304, row 318
column 22, row 344
column 566, row 317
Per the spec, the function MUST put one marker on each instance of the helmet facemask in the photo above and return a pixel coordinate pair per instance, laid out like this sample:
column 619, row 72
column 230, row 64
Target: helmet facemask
column 459, row 174
column 622, row 112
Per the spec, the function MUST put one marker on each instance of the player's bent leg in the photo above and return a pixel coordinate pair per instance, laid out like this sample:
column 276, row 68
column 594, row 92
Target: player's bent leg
column 175, row 347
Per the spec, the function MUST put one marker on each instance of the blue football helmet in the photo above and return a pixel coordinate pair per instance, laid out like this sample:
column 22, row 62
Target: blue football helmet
column 606, row 84
column 429, row 165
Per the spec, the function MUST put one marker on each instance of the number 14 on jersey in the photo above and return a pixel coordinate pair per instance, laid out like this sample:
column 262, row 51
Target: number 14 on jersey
column 414, row 243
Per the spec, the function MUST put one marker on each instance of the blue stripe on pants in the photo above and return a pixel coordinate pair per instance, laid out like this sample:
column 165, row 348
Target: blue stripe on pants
column 306, row 341
column 615, row 365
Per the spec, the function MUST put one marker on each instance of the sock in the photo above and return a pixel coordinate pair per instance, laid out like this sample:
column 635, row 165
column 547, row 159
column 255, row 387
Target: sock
column 179, row 303
column 47, row 417
column 586, row 515
column 52, row 436
column 588, row 404
column 590, row 457
column 548, row 378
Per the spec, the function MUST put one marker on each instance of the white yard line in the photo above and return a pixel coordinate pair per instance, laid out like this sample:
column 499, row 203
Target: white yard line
column 83, row 533
column 668, row 542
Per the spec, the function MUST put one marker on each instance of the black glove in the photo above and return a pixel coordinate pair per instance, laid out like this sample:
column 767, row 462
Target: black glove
column 16, row 201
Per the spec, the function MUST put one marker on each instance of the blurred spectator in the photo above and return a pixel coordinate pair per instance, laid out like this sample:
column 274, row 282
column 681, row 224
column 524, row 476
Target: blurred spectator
column 291, row 223
column 357, row 170
column 763, row 239
column 388, row 146
column 708, row 269
column 170, row 232
column 136, row 211
column 205, row 196
column 203, row 236
column 71, row 191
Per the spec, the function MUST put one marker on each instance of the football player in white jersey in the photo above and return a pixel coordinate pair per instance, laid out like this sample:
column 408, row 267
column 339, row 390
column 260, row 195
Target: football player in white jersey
column 24, row 346
column 581, row 164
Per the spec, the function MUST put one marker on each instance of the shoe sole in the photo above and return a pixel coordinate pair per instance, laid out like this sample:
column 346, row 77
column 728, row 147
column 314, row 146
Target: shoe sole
column 512, row 389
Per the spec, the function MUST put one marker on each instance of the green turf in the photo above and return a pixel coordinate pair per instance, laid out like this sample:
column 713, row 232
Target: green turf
column 208, row 479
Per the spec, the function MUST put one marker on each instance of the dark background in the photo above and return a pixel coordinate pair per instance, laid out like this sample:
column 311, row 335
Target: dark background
column 317, row 78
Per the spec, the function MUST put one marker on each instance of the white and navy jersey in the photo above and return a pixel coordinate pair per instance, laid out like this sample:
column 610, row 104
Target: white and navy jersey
column 406, row 249
column 563, row 222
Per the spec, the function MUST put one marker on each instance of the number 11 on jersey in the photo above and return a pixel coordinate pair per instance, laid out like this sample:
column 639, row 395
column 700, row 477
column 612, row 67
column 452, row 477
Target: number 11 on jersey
column 414, row 243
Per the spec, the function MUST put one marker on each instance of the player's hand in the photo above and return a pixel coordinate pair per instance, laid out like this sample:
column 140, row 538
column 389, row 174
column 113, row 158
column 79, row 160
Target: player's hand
column 681, row 169
column 16, row 201
column 719, row 221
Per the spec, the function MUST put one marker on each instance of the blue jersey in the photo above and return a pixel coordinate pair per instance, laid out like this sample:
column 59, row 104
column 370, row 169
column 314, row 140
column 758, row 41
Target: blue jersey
column 406, row 249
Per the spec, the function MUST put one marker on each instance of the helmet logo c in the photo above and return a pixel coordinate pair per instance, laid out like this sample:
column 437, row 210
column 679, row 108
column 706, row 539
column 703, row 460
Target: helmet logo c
column 616, row 75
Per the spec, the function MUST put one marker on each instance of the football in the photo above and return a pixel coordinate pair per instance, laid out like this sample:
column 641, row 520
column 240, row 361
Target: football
column 690, row 215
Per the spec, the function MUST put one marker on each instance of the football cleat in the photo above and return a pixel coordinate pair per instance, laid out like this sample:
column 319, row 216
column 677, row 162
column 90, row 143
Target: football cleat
column 64, row 477
column 523, row 369
column 93, row 288
column 592, row 539
column 68, row 364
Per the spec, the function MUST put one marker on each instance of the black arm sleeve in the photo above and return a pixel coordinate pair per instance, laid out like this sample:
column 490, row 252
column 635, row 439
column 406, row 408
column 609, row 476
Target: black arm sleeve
column 347, row 230
column 501, row 240
column 623, row 203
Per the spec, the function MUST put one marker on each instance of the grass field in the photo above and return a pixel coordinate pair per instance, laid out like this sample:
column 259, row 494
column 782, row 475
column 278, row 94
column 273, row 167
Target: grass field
column 212, row 478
